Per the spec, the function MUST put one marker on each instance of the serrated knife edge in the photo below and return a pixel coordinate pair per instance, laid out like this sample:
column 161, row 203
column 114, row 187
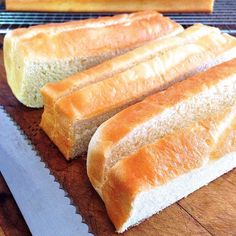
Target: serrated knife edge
column 40, row 198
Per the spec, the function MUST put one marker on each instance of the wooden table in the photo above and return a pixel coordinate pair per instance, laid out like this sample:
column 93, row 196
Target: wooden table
column 209, row 211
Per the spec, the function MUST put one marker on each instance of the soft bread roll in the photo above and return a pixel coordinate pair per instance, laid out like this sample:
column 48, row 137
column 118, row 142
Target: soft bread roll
column 37, row 55
column 52, row 92
column 158, row 115
column 167, row 170
column 79, row 114
column 110, row 5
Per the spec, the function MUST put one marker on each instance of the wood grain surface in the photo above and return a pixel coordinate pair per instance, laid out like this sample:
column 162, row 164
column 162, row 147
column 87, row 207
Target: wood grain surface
column 208, row 211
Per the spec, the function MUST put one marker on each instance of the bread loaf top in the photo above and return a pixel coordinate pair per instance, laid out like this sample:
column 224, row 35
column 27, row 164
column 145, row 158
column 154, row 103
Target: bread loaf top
column 55, row 28
column 92, row 37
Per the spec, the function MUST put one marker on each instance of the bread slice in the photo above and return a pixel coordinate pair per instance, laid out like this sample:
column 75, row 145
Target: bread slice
column 111, row 5
column 185, row 102
column 52, row 92
column 167, row 170
column 79, row 114
column 42, row 54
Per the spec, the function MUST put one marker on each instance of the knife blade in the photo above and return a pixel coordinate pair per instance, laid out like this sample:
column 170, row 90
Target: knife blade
column 43, row 203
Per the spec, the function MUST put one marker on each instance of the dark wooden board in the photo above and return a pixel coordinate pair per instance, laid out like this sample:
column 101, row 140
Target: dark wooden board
column 209, row 211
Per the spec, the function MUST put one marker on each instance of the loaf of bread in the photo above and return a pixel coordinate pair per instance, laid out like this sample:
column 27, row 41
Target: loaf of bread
column 158, row 151
column 47, row 53
column 110, row 5
column 77, row 115
column 52, row 92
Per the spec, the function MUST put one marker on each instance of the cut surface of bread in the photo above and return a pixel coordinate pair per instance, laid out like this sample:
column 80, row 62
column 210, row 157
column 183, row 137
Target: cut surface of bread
column 78, row 115
column 110, row 5
column 42, row 54
column 161, row 197
column 167, row 170
column 185, row 102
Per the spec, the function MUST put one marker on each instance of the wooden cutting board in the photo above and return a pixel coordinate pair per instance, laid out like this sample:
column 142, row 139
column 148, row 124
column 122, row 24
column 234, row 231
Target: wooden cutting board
column 209, row 211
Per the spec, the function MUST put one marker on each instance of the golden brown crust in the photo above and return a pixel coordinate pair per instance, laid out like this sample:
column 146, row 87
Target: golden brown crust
column 158, row 163
column 58, row 136
column 130, row 118
column 112, row 6
column 100, row 22
column 93, row 37
column 226, row 143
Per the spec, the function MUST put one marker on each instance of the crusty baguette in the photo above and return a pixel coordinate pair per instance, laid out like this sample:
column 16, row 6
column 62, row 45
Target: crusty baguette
column 167, row 170
column 52, row 92
column 42, row 54
column 79, row 114
column 158, row 115
column 111, row 5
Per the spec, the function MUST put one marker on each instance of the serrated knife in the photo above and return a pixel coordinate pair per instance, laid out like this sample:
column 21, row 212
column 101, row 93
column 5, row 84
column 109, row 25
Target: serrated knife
column 43, row 203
